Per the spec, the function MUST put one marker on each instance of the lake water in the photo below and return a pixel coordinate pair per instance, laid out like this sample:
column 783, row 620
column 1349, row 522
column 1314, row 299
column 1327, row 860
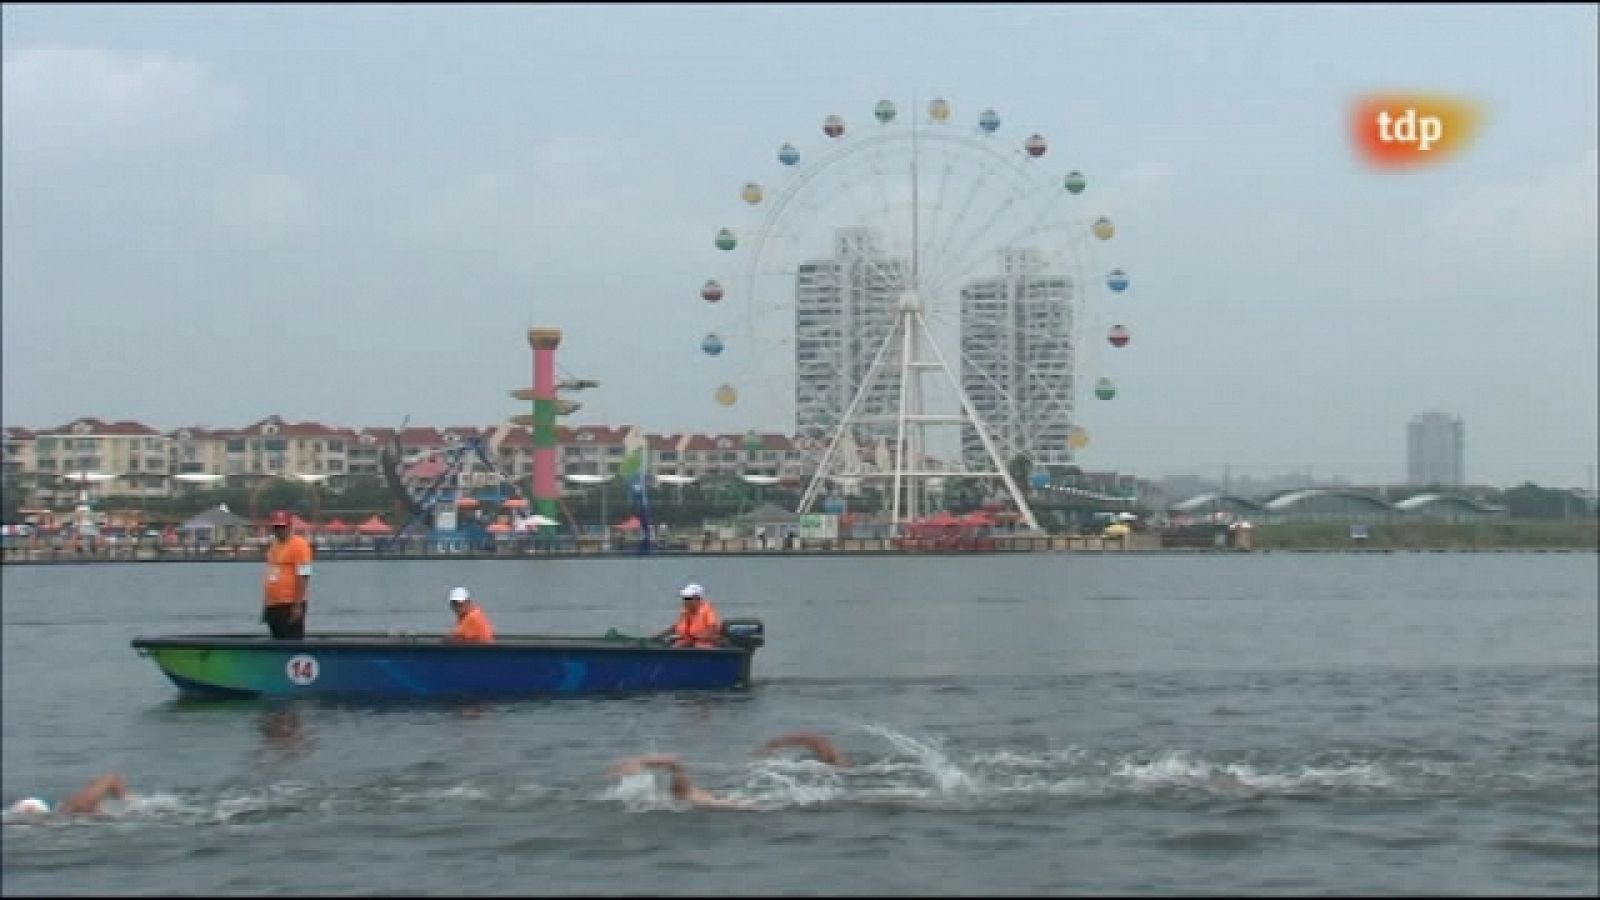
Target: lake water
column 1037, row 724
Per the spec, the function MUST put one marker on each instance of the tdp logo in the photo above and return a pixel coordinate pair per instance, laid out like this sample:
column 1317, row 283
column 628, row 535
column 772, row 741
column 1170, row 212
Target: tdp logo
column 1400, row 130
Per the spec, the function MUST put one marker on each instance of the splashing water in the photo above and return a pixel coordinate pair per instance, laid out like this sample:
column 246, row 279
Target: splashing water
column 931, row 758
column 642, row 792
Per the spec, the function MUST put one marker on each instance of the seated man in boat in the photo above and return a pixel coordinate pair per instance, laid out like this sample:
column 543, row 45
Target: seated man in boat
column 472, row 625
column 86, row 802
column 698, row 625
column 820, row 747
column 682, row 786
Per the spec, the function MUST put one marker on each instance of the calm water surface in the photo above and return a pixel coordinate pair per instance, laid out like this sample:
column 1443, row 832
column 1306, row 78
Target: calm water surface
column 1410, row 723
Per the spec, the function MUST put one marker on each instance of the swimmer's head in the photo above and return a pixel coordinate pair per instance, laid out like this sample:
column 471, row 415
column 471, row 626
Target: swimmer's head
column 29, row 806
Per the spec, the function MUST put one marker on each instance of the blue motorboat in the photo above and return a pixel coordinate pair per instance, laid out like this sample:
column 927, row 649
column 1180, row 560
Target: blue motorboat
column 374, row 665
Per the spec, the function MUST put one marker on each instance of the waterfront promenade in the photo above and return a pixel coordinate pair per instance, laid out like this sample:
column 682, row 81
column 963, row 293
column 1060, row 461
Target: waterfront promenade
column 595, row 549
column 567, row 548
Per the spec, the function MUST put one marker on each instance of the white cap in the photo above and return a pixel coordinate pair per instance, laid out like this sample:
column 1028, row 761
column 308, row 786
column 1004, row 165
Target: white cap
column 459, row 595
column 29, row 805
column 691, row 590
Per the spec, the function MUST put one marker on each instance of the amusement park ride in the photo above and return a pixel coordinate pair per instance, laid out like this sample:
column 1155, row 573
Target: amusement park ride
column 937, row 233
column 848, row 343
column 436, row 486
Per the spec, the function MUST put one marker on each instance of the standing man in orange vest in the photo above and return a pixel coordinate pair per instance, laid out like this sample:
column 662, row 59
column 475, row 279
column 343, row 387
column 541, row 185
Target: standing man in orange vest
column 288, row 578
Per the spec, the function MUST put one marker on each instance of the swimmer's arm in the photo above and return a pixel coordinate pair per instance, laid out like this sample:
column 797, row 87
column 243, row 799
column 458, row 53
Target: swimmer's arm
column 638, row 763
column 711, row 801
column 820, row 746
column 89, row 799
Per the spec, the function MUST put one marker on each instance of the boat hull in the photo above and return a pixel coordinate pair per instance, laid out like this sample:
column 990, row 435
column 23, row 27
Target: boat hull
column 374, row 666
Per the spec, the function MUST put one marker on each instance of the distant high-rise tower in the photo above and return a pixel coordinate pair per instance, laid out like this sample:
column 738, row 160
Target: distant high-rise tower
column 1017, row 360
column 1436, row 450
column 844, row 308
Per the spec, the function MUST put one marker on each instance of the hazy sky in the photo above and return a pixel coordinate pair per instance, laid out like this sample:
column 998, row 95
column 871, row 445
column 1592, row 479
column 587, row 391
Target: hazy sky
column 352, row 214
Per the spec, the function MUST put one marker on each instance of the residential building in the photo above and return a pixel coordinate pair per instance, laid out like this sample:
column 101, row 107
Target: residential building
column 1017, row 361
column 844, row 310
column 20, row 463
column 136, row 455
column 145, row 463
column 1436, row 450
column 197, row 450
column 594, row 449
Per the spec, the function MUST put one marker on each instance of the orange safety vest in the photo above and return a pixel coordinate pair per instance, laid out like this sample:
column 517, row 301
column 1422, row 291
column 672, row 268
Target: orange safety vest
column 473, row 625
column 700, row 628
column 284, row 560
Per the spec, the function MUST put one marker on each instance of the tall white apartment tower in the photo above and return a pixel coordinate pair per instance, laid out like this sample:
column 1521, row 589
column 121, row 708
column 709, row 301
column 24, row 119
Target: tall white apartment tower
column 1017, row 360
column 1436, row 450
column 844, row 309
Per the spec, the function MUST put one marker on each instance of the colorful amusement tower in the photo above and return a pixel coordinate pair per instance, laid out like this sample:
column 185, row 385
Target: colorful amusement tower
column 546, row 492
column 546, row 406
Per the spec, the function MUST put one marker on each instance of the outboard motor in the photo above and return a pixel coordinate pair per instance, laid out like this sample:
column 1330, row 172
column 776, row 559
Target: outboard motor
column 747, row 634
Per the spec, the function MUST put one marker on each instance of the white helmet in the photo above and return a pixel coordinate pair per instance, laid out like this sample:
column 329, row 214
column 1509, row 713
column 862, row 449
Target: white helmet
column 691, row 590
column 459, row 595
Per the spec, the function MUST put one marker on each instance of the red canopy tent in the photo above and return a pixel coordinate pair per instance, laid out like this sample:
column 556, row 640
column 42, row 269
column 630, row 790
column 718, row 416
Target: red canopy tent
column 428, row 468
column 337, row 526
column 978, row 519
column 374, row 525
column 298, row 524
column 629, row 524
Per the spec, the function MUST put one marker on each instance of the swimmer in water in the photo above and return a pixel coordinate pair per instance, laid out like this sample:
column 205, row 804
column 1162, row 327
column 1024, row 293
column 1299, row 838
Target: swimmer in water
column 685, row 790
column 682, row 786
column 86, row 802
column 820, row 747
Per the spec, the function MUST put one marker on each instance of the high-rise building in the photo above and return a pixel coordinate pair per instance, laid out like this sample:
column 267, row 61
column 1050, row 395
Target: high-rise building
column 1017, row 361
column 844, row 309
column 1435, row 450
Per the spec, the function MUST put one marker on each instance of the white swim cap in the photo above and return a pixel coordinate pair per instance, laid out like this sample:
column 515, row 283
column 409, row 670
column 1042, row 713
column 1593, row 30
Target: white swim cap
column 459, row 595
column 29, row 805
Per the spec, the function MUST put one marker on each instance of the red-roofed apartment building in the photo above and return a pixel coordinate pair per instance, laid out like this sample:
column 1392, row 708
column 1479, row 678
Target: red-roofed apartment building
column 594, row 449
column 20, row 463
column 144, row 461
column 702, row 455
column 134, row 453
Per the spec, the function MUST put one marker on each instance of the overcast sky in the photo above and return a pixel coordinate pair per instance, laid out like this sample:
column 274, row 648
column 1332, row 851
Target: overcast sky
column 352, row 214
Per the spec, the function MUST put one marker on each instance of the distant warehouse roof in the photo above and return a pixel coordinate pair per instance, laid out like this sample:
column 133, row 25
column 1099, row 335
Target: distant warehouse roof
column 1221, row 501
column 1336, row 501
column 1318, row 495
column 1424, row 502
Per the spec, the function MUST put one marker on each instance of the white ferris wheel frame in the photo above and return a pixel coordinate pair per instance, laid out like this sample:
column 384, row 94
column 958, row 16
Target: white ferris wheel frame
column 919, row 352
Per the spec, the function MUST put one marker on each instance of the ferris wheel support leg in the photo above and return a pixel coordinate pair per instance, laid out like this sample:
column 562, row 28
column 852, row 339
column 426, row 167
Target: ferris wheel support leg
column 908, row 326
column 988, row 444
column 820, row 475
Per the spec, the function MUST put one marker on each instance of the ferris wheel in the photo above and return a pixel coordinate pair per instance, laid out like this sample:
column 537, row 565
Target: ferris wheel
column 904, row 273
